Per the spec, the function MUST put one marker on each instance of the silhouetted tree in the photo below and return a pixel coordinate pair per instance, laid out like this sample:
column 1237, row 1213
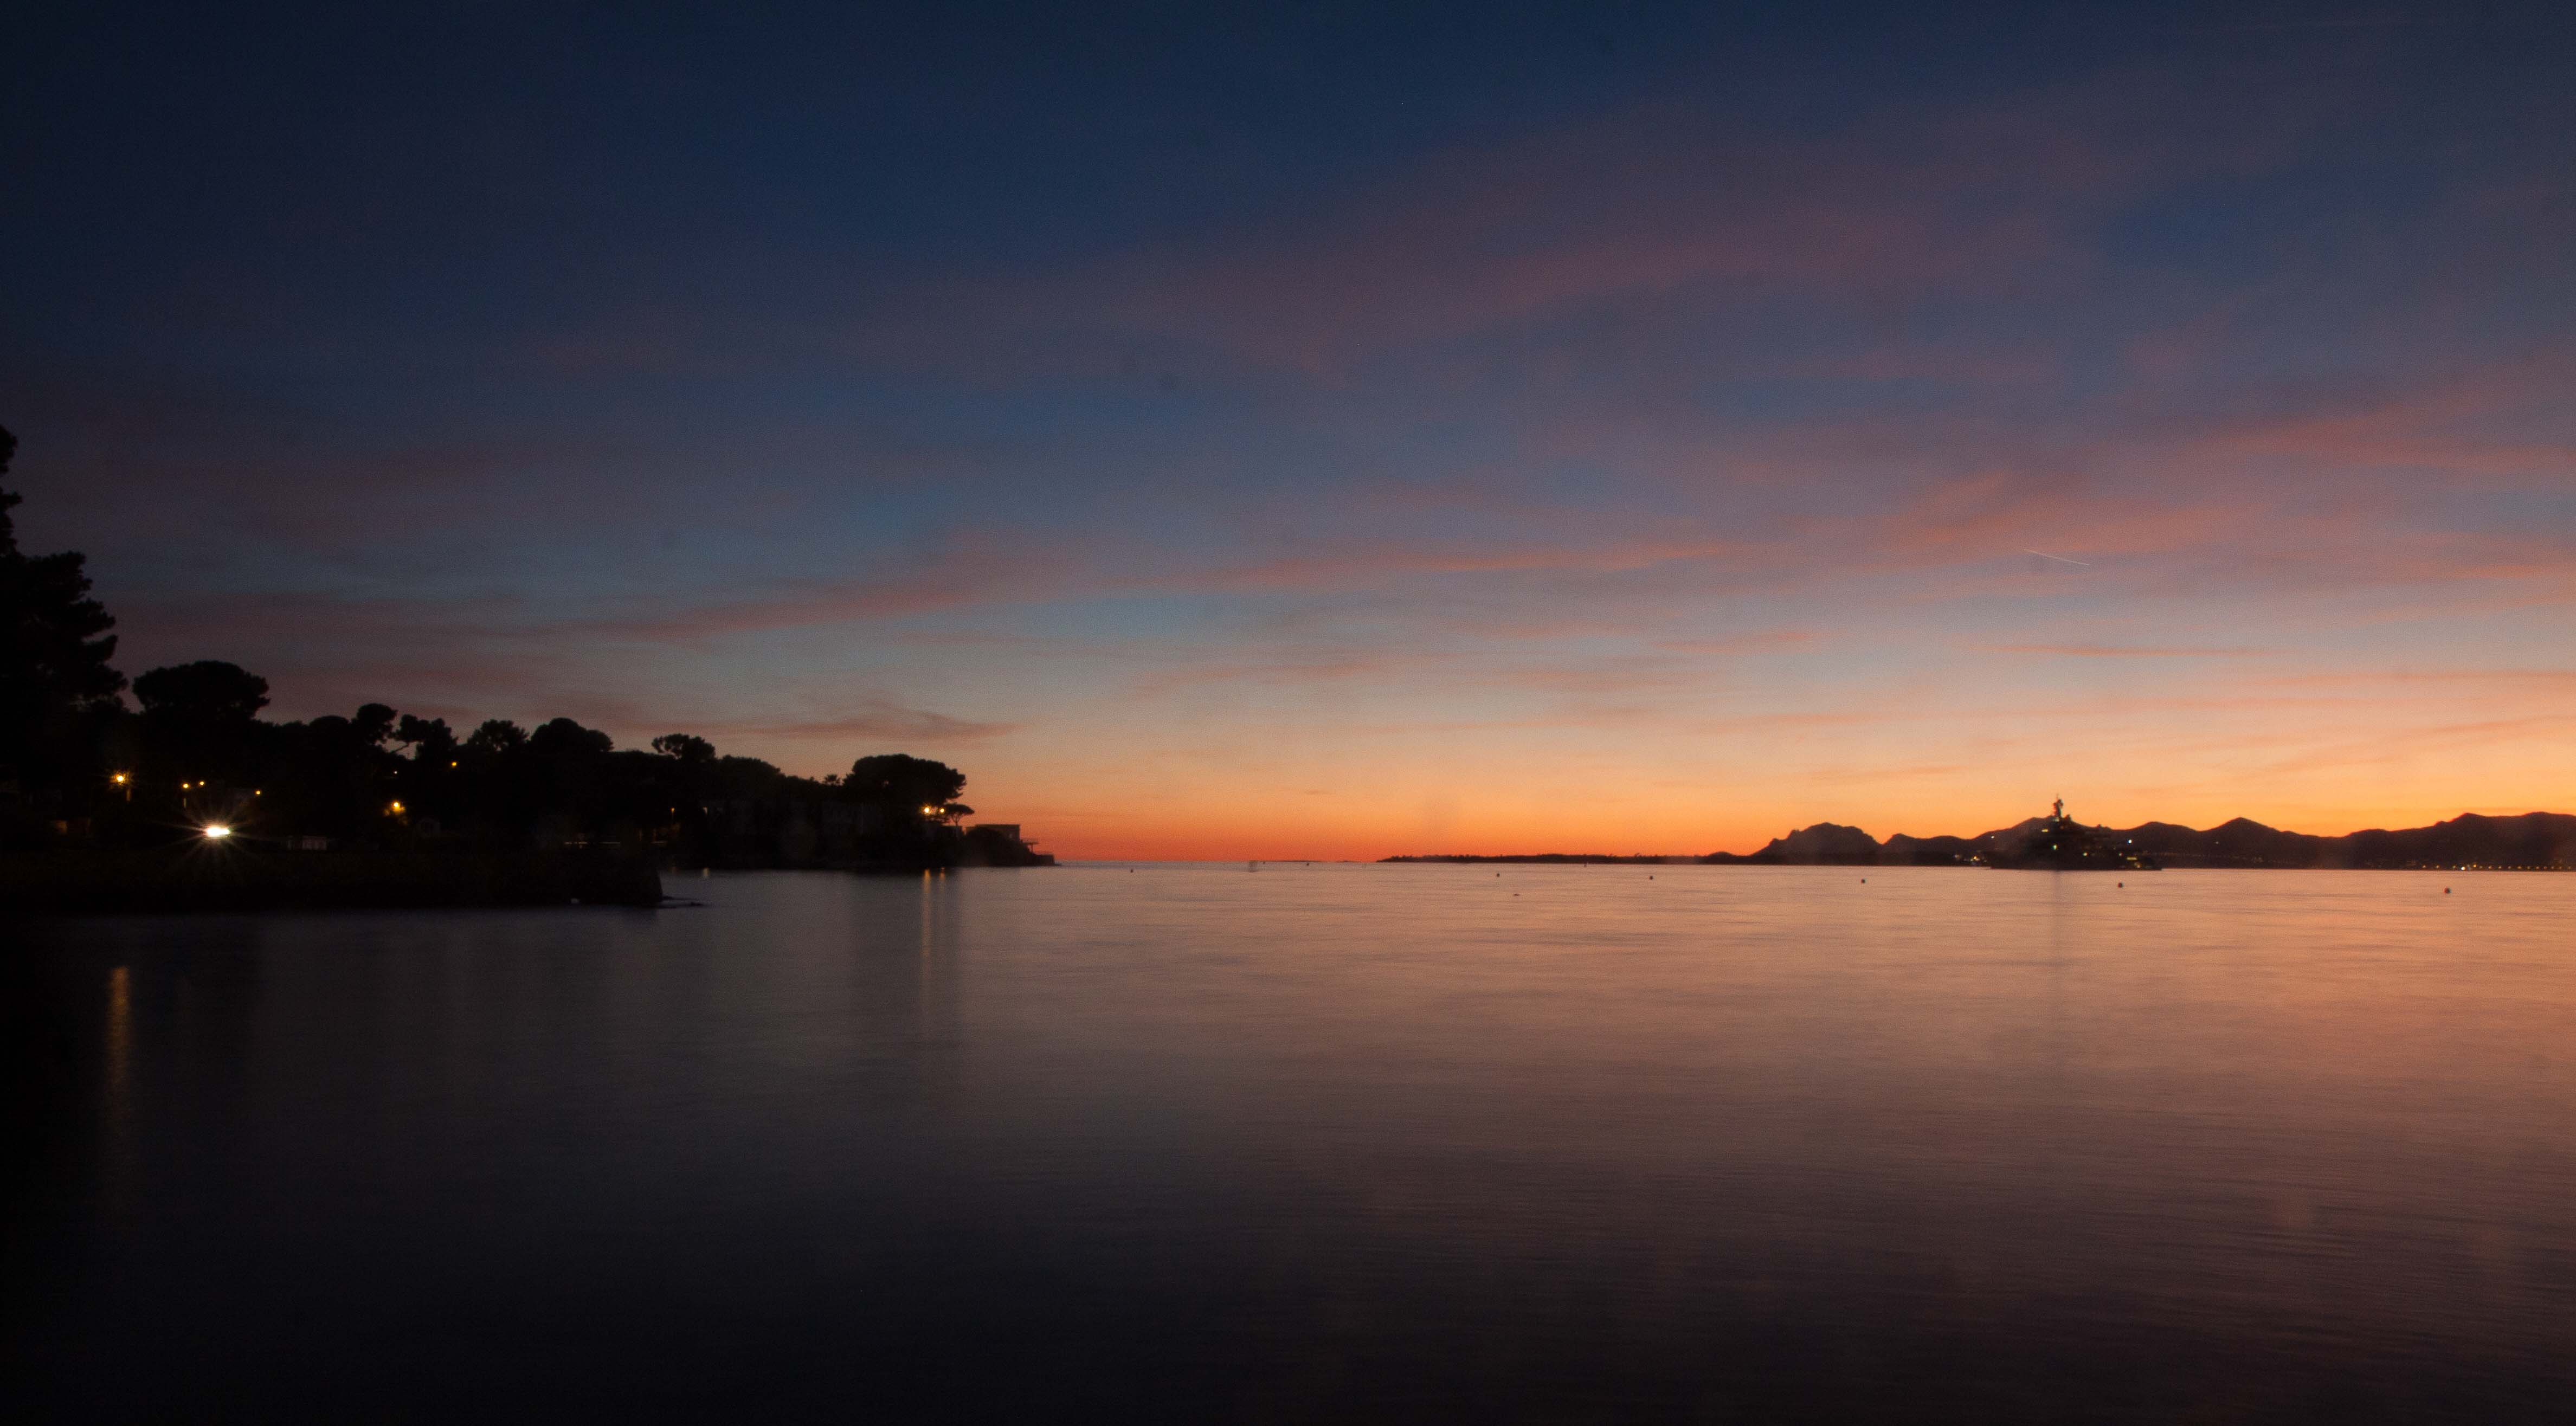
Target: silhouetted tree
column 199, row 718
column 907, row 791
column 430, row 741
column 56, row 687
column 685, row 747
column 564, row 738
column 208, row 690
column 342, row 777
column 8, row 501
column 496, row 736
column 332, row 775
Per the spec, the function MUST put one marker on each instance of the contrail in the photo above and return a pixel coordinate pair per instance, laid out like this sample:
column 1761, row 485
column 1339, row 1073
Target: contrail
column 2061, row 559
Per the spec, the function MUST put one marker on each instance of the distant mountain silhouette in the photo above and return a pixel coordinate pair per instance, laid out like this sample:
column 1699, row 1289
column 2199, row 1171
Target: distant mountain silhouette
column 2534, row 839
column 1824, row 844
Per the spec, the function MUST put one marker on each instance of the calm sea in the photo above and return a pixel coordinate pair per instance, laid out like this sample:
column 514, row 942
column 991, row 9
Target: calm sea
column 1313, row 1143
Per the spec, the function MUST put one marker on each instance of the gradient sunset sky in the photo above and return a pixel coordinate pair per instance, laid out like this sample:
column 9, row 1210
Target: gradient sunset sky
column 1358, row 430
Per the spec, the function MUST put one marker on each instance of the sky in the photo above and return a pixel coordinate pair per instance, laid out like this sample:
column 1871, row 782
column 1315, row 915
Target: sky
column 1344, row 430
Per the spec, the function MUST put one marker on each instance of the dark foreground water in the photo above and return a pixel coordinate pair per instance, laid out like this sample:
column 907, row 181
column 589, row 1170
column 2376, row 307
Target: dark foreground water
column 1313, row 1143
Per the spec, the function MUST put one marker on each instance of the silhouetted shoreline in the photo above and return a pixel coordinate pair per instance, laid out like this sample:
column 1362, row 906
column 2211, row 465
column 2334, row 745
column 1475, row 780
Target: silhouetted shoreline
column 2534, row 841
column 193, row 801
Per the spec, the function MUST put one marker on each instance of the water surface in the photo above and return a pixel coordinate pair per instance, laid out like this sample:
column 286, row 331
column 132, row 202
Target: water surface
column 1315, row 1142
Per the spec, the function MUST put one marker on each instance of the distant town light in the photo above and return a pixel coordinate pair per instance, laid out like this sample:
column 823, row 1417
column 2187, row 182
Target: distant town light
column 217, row 831
column 119, row 779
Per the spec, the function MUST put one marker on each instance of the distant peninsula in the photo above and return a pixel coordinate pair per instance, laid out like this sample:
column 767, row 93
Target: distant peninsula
column 2534, row 841
column 194, row 802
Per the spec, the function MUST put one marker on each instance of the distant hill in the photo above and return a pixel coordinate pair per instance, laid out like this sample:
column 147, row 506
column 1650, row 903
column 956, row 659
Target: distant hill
column 2535, row 839
column 1824, row 844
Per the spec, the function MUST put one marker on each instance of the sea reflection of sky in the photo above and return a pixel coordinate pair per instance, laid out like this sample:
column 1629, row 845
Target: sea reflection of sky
column 1375, row 1141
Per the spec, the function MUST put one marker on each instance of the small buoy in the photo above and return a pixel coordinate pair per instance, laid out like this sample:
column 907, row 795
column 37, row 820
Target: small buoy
column 1650, row 876
column 2446, row 891
column 2124, row 885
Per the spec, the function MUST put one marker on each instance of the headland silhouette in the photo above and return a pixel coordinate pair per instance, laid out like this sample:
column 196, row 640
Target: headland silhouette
column 193, row 800
column 2533, row 841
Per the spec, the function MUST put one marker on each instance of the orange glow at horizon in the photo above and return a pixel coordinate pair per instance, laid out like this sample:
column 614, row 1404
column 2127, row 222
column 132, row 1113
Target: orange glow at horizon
column 2280, row 748
column 1763, row 427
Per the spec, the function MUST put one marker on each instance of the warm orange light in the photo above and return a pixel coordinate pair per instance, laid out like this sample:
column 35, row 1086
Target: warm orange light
column 397, row 808
column 120, row 779
column 218, row 831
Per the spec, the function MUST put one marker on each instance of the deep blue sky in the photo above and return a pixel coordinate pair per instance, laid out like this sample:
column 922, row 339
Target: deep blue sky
column 1362, row 427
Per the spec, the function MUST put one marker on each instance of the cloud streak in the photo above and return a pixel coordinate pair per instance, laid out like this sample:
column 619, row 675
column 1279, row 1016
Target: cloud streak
column 1681, row 458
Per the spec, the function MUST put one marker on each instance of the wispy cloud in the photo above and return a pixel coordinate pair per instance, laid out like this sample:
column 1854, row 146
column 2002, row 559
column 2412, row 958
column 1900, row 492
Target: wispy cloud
column 1700, row 449
column 2126, row 651
column 872, row 719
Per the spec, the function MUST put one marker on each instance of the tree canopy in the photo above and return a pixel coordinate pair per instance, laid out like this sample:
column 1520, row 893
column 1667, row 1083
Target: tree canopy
column 903, row 783
column 54, row 650
column 207, row 691
column 685, row 747
column 72, row 754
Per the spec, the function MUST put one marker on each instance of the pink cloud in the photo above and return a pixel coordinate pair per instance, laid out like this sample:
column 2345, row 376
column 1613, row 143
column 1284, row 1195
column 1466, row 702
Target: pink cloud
column 873, row 718
column 978, row 568
column 2126, row 651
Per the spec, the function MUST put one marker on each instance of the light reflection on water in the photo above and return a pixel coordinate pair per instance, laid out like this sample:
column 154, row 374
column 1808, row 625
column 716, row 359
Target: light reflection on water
column 1326, row 1141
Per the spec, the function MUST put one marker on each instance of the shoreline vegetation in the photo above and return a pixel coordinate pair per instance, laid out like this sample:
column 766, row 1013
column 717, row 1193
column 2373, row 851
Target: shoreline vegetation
column 2534, row 841
column 193, row 801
